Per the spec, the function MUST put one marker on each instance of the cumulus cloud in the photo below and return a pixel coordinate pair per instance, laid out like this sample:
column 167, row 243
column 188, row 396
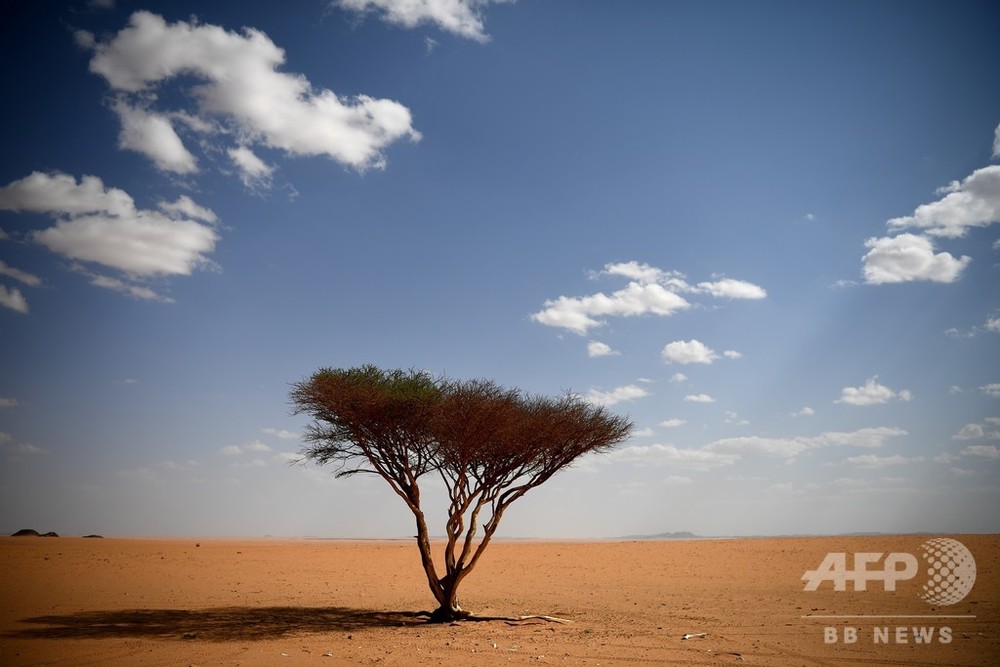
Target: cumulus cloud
column 992, row 324
column 281, row 433
column 599, row 349
column 791, row 447
column 153, row 135
column 651, row 291
column 688, row 352
column 677, row 378
column 579, row 314
column 732, row 354
column 102, row 225
column 699, row 398
column 963, row 205
column 460, row 17
column 981, row 451
column 975, row 202
column 969, row 432
column 908, row 257
column 241, row 87
column 804, row 412
column 619, row 394
column 254, row 172
column 992, row 389
column 871, row 393
column 13, row 299
column 733, row 289
column 673, row 422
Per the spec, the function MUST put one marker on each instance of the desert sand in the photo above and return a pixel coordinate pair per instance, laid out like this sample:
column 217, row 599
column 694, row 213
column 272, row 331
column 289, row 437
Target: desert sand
column 74, row 601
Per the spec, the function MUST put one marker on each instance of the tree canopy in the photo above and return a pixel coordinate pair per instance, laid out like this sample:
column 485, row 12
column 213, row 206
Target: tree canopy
column 490, row 445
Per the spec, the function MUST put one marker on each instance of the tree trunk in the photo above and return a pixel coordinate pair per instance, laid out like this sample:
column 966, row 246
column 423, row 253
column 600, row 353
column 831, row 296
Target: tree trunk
column 450, row 610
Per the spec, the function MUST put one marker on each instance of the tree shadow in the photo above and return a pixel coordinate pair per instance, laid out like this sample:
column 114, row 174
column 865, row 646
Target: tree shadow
column 219, row 624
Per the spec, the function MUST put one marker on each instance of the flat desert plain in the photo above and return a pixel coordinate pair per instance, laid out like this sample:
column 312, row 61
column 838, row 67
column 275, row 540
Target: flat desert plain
column 76, row 601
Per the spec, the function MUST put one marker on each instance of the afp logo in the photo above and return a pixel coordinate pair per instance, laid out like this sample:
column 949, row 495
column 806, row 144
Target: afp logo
column 948, row 566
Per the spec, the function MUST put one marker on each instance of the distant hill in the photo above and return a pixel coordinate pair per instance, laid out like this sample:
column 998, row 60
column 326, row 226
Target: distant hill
column 679, row 535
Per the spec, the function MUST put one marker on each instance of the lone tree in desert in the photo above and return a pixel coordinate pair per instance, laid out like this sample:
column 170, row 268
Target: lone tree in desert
column 488, row 444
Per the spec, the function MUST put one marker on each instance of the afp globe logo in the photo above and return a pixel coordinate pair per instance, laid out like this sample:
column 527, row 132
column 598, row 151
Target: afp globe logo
column 951, row 571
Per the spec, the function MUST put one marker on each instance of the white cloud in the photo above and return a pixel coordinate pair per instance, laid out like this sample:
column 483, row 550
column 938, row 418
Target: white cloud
column 283, row 434
column 102, row 225
column 241, row 85
column 599, row 349
column 790, row 447
column 991, row 389
column 256, row 446
column 688, row 352
column 578, row 313
column 650, row 291
column 287, row 457
column 153, row 135
column 7, row 402
column 673, row 422
column 677, row 378
column 871, row 393
column 643, row 274
column 460, row 17
column 642, row 433
column 13, row 299
column 732, row 354
column 909, row 257
column 992, row 324
column 804, row 412
column 969, row 432
column 619, row 394
column 699, row 398
column 733, row 289
column 186, row 207
column 60, row 194
column 975, row 202
column 981, row 451
column 237, row 450
column 254, row 172
column 963, row 472
column 17, row 274
column 673, row 456
column 873, row 461
column 996, row 142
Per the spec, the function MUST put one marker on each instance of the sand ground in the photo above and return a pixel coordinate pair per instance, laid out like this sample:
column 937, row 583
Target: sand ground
column 75, row 601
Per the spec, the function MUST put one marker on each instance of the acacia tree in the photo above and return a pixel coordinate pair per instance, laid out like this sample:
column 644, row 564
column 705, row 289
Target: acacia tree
column 488, row 444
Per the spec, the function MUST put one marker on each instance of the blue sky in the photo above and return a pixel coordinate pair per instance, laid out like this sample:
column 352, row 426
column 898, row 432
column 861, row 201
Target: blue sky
column 766, row 231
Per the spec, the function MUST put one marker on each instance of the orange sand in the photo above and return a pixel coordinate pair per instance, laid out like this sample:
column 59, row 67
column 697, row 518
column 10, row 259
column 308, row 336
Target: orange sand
column 77, row 601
